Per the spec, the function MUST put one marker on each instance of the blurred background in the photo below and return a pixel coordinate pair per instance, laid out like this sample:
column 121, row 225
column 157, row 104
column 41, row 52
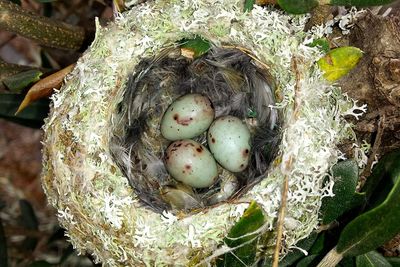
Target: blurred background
column 29, row 223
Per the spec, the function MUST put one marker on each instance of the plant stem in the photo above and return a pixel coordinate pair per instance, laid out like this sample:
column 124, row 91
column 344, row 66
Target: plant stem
column 45, row 31
column 331, row 259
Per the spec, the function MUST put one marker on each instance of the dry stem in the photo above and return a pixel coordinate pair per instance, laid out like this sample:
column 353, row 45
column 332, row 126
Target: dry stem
column 287, row 167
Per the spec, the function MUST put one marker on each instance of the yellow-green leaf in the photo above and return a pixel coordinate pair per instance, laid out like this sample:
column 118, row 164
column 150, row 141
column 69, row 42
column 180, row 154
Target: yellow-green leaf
column 338, row 62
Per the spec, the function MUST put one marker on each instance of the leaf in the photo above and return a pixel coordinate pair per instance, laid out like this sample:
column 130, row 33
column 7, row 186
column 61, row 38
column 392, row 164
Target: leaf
column 348, row 262
column 18, row 2
column 3, row 246
column 248, row 5
column 394, row 261
column 32, row 116
column 382, row 179
column 372, row 259
column 17, row 82
column 319, row 244
column 345, row 174
column 307, row 261
column 251, row 221
column 195, row 47
column 297, row 254
column 44, row 88
column 375, row 227
column 297, row 6
column 338, row 62
column 322, row 43
column 119, row 5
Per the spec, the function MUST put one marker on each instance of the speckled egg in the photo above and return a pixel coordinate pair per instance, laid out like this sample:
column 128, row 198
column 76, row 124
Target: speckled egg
column 191, row 163
column 229, row 142
column 188, row 116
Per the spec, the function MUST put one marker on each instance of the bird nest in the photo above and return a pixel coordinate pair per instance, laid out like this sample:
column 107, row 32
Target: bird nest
column 102, row 165
column 236, row 83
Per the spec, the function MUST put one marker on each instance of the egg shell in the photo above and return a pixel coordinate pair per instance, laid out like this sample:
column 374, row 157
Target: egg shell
column 191, row 163
column 188, row 116
column 229, row 140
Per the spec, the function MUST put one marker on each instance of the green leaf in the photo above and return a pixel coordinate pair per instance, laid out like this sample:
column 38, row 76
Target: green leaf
column 322, row 43
column 32, row 116
column 339, row 61
column 345, row 174
column 360, row 3
column 251, row 221
column 318, row 245
column 348, row 262
column 197, row 45
column 297, row 6
column 375, row 227
column 307, row 261
column 372, row 259
column 248, row 5
column 3, row 246
column 17, row 82
column 394, row 261
column 382, row 179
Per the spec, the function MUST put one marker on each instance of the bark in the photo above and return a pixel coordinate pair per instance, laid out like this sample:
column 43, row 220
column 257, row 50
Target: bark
column 376, row 80
column 45, row 31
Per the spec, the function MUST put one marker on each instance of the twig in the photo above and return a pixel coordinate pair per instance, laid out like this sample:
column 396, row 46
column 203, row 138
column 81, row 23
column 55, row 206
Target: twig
column 287, row 168
column 45, row 31
column 281, row 219
column 376, row 146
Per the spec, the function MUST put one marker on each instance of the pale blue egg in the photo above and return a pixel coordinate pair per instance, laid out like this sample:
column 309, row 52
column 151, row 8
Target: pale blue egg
column 191, row 163
column 229, row 140
column 187, row 117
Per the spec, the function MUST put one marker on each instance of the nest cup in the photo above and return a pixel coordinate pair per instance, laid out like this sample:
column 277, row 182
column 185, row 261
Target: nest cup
column 237, row 84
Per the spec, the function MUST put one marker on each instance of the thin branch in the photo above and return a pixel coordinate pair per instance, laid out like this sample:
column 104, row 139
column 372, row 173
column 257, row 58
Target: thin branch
column 45, row 31
column 281, row 219
column 287, row 168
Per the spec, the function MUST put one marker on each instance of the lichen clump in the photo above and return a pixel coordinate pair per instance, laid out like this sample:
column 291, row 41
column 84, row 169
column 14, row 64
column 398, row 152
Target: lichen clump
column 96, row 205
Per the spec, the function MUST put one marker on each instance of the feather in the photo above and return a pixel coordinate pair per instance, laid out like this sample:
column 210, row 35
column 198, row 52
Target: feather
column 235, row 85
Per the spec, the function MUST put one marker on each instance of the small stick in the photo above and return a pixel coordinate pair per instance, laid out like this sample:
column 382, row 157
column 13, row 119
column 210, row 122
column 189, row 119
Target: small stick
column 281, row 218
column 287, row 168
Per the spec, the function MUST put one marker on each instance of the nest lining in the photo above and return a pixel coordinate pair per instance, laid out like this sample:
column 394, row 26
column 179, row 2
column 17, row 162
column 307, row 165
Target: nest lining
column 236, row 86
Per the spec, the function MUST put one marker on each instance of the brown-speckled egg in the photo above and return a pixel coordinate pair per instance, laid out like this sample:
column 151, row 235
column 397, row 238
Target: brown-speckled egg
column 191, row 163
column 229, row 142
column 187, row 117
